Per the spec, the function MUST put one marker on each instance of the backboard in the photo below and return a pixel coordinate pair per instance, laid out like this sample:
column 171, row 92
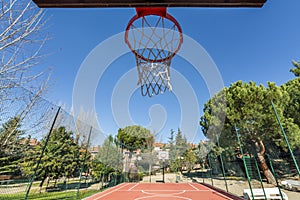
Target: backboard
column 147, row 3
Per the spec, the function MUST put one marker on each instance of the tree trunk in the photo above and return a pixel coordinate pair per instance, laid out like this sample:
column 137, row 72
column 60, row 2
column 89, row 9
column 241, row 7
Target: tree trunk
column 128, row 167
column 48, row 181
column 262, row 161
column 42, row 182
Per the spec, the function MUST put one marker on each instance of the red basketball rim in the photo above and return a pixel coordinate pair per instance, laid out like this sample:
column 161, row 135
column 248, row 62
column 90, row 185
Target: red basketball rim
column 158, row 11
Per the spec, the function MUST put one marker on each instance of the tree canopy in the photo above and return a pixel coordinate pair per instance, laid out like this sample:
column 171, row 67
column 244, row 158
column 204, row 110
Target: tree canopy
column 109, row 153
column 296, row 70
column 62, row 156
column 135, row 137
column 248, row 105
column 293, row 102
column 12, row 146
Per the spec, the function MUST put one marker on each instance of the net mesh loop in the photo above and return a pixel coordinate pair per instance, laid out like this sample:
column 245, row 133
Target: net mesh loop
column 154, row 77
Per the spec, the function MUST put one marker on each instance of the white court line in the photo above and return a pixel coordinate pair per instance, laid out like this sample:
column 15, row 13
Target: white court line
column 146, row 197
column 193, row 187
column 111, row 191
column 133, row 187
column 169, row 194
column 166, row 190
column 104, row 191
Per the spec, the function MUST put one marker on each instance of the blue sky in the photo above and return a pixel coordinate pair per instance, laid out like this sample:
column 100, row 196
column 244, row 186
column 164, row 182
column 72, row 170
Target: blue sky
column 245, row 44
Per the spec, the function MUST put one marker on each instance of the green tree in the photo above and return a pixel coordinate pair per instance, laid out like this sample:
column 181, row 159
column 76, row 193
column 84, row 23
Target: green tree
column 296, row 70
column 189, row 159
column 292, row 88
column 181, row 143
column 179, row 149
column 12, row 146
column 62, row 157
column 135, row 137
column 249, row 107
column 10, row 135
column 293, row 107
column 291, row 111
column 172, row 149
column 203, row 151
column 109, row 153
column 97, row 167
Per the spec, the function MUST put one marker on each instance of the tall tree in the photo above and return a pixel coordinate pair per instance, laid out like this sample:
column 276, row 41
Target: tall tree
column 172, row 148
column 249, row 106
column 10, row 135
column 296, row 70
column 179, row 149
column 292, row 88
column 189, row 159
column 135, row 137
column 62, row 157
column 109, row 153
column 181, row 143
column 12, row 147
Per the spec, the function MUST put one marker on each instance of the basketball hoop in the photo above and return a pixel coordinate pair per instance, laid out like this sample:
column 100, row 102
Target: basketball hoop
column 163, row 155
column 154, row 37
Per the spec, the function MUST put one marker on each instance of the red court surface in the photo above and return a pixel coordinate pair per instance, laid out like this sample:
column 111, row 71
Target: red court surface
column 159, row 191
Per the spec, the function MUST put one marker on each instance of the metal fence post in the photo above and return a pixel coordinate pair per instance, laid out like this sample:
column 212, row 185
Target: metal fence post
column 244, row 161
column 285, row 138
column 84, row 160
column 41, row 156
column 223, row 168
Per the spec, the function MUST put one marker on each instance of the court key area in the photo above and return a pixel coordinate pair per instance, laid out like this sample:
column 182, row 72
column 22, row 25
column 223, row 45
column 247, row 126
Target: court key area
column 159, row 191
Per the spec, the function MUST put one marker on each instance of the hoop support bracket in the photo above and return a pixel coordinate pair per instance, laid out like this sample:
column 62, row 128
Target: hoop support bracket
column 144, row 11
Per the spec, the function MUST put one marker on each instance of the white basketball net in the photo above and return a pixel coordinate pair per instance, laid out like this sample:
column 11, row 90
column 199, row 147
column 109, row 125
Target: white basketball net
column 154, row 40
column 154, row 78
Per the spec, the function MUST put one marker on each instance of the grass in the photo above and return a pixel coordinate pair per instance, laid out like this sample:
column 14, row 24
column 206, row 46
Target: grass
column 65, row 195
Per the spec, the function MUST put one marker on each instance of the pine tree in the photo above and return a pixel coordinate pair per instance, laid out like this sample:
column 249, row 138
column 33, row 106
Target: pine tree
column 296, row 70
column 109, row 153
column 172, row 147
column 181, row 143
column 62, row 157
column 249, row 107
column 12, row 147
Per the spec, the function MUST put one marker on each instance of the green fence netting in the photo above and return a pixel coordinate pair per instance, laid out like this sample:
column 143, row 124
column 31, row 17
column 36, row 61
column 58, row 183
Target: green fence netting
column 47, row 153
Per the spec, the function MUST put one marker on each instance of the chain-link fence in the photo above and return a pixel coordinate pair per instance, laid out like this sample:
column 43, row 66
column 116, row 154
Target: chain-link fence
column 46, row 153
column 249, row 168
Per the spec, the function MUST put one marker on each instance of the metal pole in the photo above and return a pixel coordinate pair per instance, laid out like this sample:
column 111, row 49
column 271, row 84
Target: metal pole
column 273, row 171
column 42, row 154
column 150, row 164
column 260, row 179
column 105, row 164
column 223, row 168
column 286, row 139
column 163, row 171
column 137, row 165
column 125, row 168
column 244, row 161
column 118, row 162
column 210, row 169
column 82, row 167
